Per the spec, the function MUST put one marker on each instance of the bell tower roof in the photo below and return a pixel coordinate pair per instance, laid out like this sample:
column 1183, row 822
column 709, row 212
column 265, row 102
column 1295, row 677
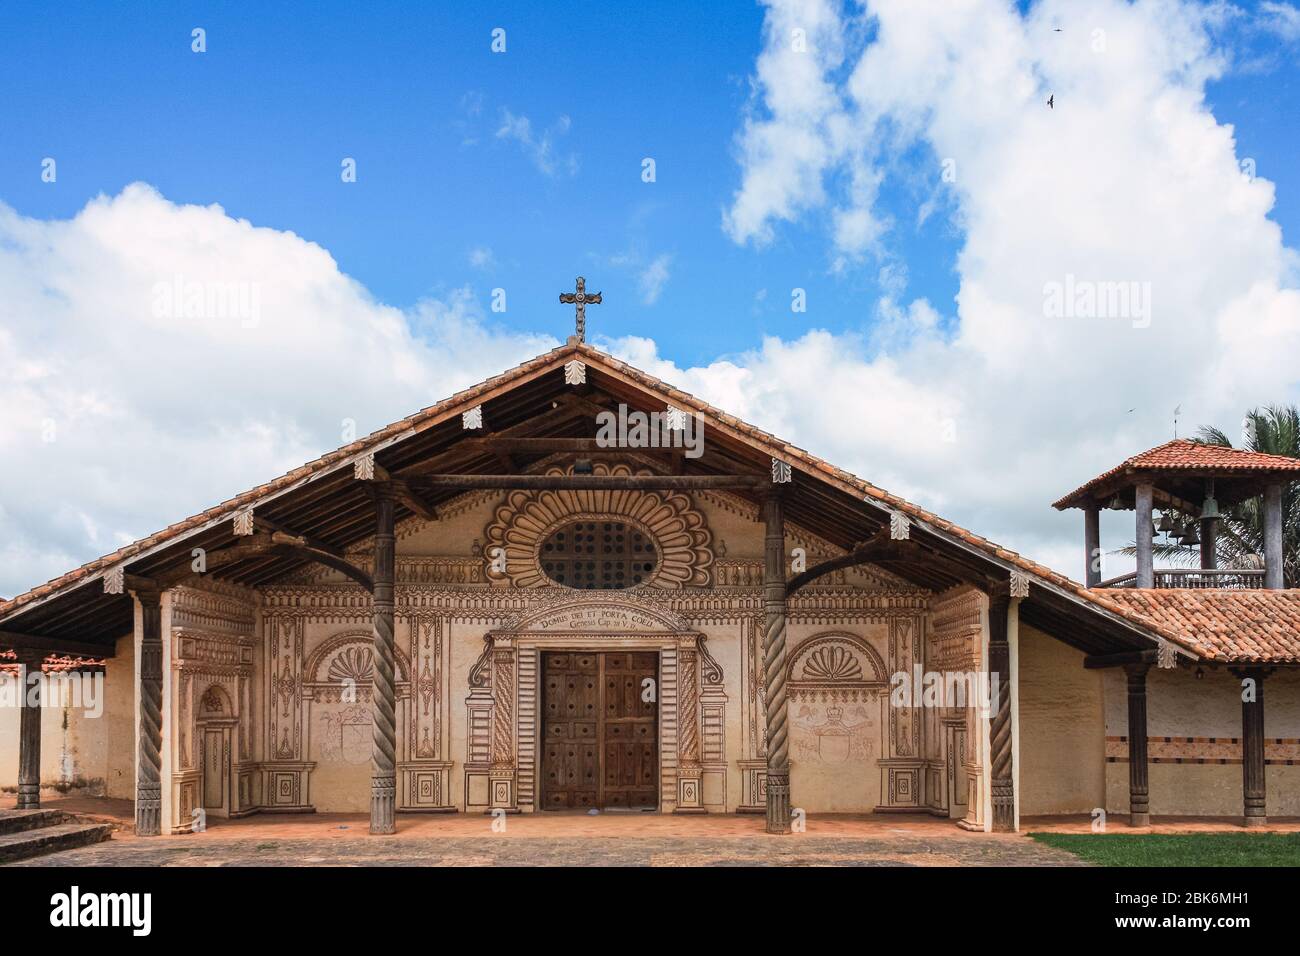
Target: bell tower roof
column 1178, row 469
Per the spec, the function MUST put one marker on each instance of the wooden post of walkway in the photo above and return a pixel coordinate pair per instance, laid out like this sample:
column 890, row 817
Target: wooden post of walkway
column 1001, row 775
column 148, row 777
column 774, row 662
column 1139, row 807
column 383, row 773
column 29, row 729
column 1255, row 813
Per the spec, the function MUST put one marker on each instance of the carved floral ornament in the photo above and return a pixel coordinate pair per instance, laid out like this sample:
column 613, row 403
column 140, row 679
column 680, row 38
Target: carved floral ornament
column 669, row 519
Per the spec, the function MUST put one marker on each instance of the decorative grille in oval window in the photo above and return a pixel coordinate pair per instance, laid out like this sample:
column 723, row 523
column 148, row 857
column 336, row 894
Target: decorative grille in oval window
column 594, row 555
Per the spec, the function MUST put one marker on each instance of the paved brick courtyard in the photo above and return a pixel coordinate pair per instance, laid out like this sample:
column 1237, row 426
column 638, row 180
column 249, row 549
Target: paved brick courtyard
column 617, row 839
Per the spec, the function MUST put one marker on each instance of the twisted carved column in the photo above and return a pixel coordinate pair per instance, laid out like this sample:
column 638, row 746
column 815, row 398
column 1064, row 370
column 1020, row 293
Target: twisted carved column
column 29, row 730
column 774, row 611
column 383, row 772
column 688, row 722
column 502, row 776
column 1002, row 782
column 690, row 799
column 1139, row 804
column 148, row 781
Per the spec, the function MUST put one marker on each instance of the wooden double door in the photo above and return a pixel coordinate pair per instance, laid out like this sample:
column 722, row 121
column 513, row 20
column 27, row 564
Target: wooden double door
column 600, row 716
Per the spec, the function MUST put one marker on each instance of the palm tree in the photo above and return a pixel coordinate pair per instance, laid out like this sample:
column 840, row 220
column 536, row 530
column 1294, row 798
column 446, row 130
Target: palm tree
column 1274, row 431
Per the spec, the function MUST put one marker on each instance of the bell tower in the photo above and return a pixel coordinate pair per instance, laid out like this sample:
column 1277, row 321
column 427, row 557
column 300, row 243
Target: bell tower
column 1190, row 486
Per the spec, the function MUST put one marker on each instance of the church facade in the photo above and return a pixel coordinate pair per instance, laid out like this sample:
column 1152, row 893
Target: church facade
column 494, row 606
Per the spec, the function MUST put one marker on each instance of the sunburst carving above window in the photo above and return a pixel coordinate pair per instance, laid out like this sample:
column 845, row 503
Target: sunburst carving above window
column 354, row 663
column 835, row 666
column 667, row 521
column 832, row 662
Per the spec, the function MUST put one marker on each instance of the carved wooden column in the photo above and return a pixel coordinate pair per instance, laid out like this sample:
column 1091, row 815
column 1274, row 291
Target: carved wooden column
column 383, row 772
column 502, row 777
column 690, row 799
column 29, row 729
column 1252, row 749
column 1144, row 499
column 148, row 779
column 1139, row 808
column 774, row 661
column 1002, row 781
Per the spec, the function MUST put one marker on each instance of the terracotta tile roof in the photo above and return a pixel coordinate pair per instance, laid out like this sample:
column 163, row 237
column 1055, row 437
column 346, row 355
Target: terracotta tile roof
column 1103, row 601
column 1240, row 626
column 1189, row 457
column 1099, row 599
column 422, row 419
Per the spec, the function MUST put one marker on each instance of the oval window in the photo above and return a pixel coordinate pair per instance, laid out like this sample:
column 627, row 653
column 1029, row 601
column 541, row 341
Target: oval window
column 596, row 555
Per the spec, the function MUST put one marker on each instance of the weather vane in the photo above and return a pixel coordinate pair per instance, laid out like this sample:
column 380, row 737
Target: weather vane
column 581, row 299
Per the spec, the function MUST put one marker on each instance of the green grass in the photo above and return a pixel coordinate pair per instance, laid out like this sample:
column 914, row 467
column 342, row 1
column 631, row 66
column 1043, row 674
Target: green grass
column 1179, row 849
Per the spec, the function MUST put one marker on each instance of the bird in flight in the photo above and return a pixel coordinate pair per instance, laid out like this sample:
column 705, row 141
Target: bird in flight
column 1051, row 102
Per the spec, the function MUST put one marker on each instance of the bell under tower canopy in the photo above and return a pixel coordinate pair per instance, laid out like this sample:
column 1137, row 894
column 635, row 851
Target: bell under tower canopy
column 1192, row 482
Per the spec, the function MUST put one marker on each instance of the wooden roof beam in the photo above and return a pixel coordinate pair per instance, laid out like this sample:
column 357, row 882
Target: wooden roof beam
column 592, row 482
column 1097, row 661
column 55, row 645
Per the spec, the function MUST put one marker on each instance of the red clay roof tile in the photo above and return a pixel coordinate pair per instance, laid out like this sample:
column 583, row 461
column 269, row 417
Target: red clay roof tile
column 1190, row 457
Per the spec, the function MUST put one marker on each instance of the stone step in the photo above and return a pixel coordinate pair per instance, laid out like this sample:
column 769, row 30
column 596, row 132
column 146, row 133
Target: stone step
column 48, row 839
column 15, row 821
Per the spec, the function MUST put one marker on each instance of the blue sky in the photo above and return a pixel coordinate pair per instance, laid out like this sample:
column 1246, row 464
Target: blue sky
column 478, row 170
column 261, row 121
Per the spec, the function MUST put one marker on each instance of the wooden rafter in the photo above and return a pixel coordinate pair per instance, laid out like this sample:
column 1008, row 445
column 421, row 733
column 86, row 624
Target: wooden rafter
column 257, row 545
column 879, row 549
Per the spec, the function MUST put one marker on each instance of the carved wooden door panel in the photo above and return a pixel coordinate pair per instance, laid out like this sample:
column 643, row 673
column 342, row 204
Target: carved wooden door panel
column 629, row 746
column 570, row 724
column 957, row 775
column 213, row 768
column 599, row 736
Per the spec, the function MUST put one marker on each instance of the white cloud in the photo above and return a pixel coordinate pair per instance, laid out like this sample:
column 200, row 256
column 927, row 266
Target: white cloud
column 1282, row 19
column 539, row 147
column 121, row 411
column 986, row 418
column 1130, row 178
column 786, row 150
column 654, row 277
column 482, row 257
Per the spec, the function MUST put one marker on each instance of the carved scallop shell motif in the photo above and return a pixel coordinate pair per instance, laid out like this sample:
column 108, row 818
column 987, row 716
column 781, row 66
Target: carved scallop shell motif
column 670, row 519
column 352, row 663
column 832, row 663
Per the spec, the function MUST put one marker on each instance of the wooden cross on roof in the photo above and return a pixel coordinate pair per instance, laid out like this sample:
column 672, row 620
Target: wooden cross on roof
column 581, row 298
